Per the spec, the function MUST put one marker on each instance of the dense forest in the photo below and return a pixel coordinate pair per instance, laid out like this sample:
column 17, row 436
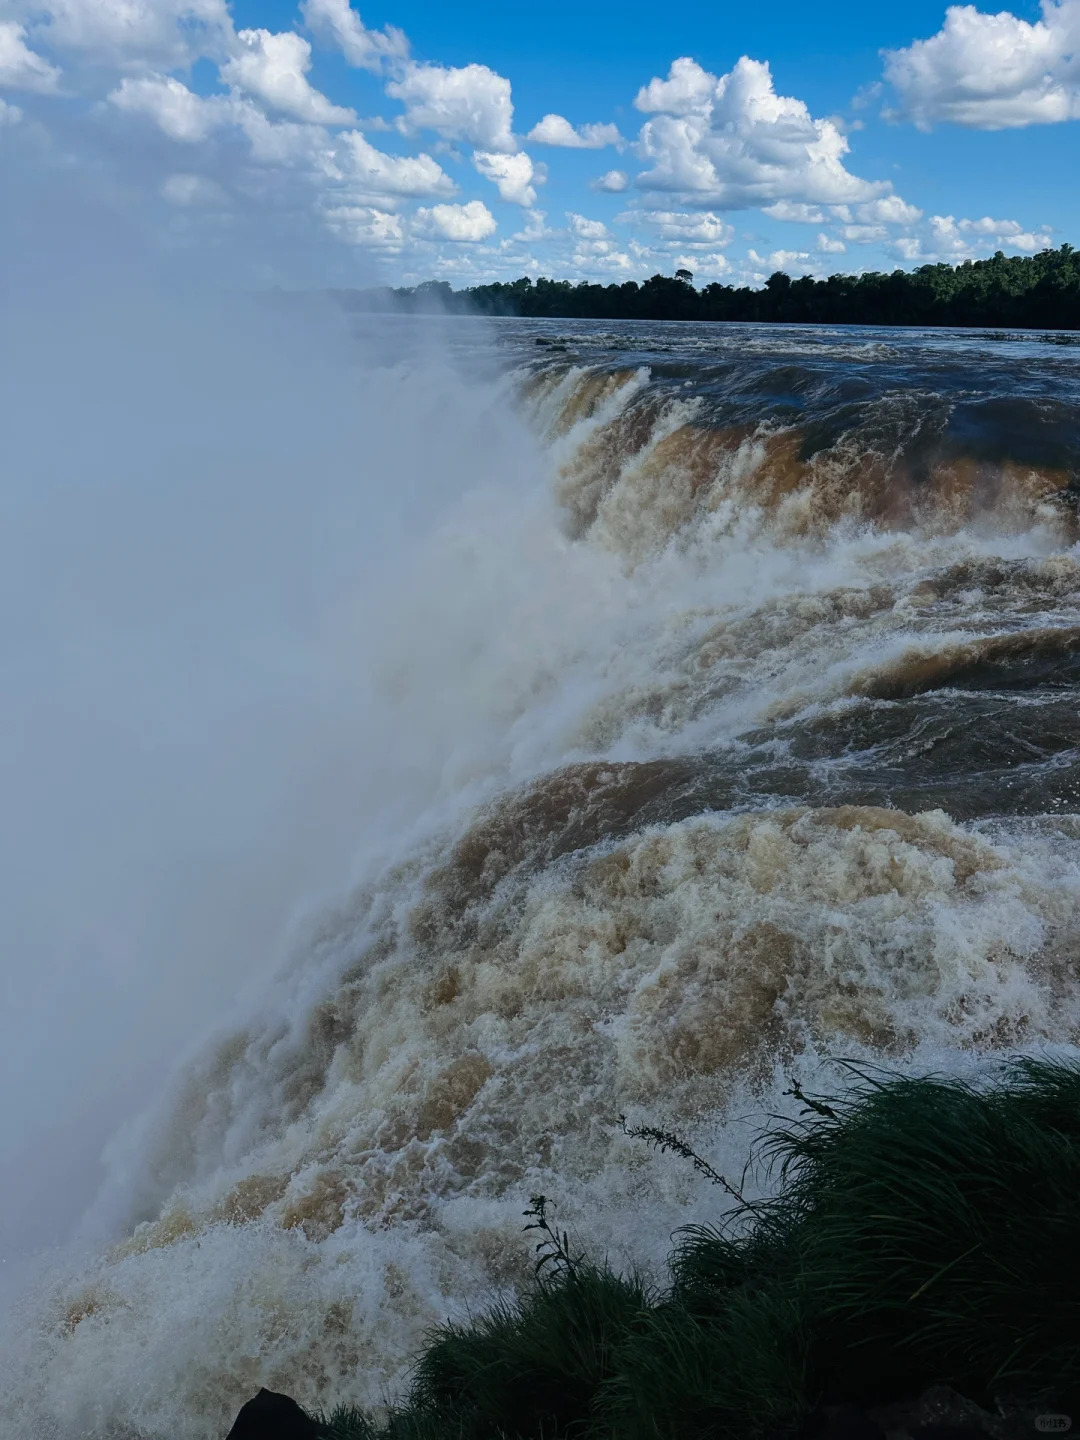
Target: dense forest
column 1038, row 291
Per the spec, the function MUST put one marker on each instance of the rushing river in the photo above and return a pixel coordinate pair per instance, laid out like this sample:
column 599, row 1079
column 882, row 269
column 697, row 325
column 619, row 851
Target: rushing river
column 780, row 760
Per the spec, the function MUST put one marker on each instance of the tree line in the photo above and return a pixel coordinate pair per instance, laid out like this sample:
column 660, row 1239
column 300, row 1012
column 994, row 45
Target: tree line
column 1033, row 291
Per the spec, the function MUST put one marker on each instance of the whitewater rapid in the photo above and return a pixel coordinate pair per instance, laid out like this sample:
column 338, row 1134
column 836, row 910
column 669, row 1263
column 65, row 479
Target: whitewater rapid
column 762, row 689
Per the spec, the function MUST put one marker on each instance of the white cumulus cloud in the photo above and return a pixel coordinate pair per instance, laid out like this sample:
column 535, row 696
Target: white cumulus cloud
column 791, row 261
column 284, row 144
column 367, row 226
column 864, row 234
column 557, row 130
column 335, row 22
column 587, row 229
column 175, row 109
column 469, row 103
column 689, row 89
column 888, row 210
column 513, row 175
column 364, row 171
column 992, row 72
column 944, row 238
column 274, row 69
column 9, row 114
column 347, row 166
column 962, row 237
column 20, row 67
column 732, row 142
column 702, row 267
column 464, row 224
column 681, row 228
column 131, row 34
column 795, row 210
column 908, row 247
column 535, row 228
column 613, row 182
column 604, row 263
column 828, row 246
column 884, row 210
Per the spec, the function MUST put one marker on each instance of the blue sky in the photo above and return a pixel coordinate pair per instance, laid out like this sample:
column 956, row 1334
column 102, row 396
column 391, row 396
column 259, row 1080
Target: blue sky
column 603, row 141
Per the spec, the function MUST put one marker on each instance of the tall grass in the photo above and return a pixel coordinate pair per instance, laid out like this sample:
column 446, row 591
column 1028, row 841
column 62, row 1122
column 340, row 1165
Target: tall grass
column 923, row 1231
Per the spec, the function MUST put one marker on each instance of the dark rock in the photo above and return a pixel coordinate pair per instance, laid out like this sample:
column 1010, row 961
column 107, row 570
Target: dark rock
column 943, row 1409
column 270, row 1416
column 937, row 1414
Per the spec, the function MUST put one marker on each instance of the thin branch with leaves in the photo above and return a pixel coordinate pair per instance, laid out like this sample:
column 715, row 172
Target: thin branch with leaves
column 554, row 1258
column 664, row 1140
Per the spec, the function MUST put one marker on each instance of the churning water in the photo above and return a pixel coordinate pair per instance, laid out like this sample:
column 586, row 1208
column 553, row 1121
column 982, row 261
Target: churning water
column 748, row 711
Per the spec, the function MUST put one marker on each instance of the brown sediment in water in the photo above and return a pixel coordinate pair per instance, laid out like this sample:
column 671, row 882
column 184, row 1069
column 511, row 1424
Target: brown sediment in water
column 654, row 974
column 691, row 932
column 595, row 465
column 1028, row 658
column 249, row 1198
column 1052, row 578
column 570, row 809
column 781, row 622
column 968, row 855
column 320, row 1209
column 851, row 482
column 684, row 472
column 587, row 395
column 643, row 474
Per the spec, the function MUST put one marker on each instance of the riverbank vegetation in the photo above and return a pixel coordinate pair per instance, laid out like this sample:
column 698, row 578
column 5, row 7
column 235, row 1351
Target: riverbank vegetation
column 922, row 1232
column 1033, row 291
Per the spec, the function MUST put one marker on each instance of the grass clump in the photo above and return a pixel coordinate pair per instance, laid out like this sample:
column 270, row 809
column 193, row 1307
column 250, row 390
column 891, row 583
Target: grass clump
column 938, row 1227
column 924, row 1231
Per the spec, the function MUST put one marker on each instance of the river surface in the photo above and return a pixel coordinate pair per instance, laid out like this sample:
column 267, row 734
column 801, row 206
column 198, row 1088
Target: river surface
column 774, row 665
